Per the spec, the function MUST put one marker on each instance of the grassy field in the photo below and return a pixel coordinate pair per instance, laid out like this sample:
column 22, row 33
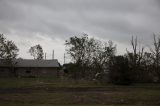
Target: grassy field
column 56, row 92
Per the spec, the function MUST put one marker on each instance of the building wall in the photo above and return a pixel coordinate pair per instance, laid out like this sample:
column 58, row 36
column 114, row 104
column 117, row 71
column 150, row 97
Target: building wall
column 5, row 72
column 37, row 72
column 31, row 72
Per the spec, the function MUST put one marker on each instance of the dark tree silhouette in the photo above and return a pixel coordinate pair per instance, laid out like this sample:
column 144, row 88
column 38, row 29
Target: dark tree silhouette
column 156, row 55
column 135, row 58
column 8, row 52
column 119, row 71
column 91, row 56
column 37, row 52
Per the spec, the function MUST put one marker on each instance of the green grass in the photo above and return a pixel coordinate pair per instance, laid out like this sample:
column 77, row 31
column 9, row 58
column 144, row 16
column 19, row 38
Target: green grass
column 65, row 92
column 48, row 82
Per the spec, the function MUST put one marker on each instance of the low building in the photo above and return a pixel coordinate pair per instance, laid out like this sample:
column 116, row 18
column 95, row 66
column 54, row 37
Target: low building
column 31, row 68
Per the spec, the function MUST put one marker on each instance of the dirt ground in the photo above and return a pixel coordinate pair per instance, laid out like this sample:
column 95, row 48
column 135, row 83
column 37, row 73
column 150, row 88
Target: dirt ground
column 80, row 96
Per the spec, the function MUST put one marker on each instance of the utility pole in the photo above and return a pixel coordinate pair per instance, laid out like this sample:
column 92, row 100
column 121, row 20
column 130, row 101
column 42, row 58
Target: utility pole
column 45, row 56
column 64, row 58
column 53, row 55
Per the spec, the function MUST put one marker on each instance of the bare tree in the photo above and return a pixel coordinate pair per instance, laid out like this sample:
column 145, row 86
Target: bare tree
column 137, row 54
column 156, row 54
column 135, row 57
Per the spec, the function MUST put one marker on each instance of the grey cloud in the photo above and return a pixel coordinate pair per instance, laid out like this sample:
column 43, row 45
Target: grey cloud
column 116, row 20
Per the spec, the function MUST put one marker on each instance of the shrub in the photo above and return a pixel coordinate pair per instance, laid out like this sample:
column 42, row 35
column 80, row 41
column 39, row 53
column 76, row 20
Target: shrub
column 119, row 72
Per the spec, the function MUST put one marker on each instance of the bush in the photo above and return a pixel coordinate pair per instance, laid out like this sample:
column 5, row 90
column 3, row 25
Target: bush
column 119, row 72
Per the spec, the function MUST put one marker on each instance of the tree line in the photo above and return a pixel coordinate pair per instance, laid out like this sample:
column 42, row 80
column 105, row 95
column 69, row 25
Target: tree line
column 94, row 59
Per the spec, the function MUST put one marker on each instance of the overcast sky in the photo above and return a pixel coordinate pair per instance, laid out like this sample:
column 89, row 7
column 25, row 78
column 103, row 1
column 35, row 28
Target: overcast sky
column 51, row 22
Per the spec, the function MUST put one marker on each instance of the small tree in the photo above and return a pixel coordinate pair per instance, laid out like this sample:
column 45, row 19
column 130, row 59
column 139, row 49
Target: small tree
column 8, row 52
column 37, row 52
column 77, row 49
column 104, row 51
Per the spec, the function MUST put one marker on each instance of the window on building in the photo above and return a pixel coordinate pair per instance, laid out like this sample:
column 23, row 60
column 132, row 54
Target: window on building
column 28, row 71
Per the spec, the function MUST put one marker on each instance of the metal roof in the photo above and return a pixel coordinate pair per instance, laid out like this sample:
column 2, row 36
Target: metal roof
column 33, row 63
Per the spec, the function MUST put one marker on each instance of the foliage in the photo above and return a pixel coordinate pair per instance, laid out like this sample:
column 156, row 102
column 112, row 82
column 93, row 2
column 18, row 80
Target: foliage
column 119, row 72
column 94, row 58
column 8, row 52
column 2, row 46
column 8, row 49
column 37, row 52
column 89, row 55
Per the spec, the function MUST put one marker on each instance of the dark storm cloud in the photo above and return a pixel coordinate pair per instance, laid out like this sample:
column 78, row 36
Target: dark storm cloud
column 117, row 20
